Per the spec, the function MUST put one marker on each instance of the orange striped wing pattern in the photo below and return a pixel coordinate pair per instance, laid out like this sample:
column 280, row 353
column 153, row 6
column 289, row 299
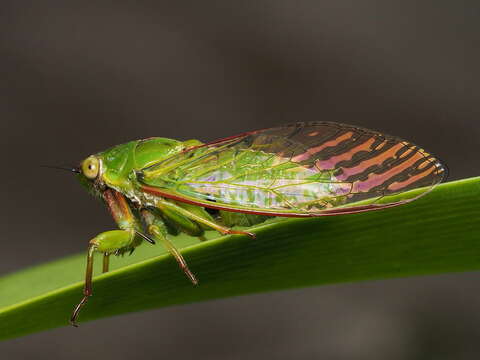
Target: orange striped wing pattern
column 302, row 169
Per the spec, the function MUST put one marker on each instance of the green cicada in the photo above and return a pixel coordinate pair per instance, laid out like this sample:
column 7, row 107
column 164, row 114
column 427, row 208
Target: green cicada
column 157, row 186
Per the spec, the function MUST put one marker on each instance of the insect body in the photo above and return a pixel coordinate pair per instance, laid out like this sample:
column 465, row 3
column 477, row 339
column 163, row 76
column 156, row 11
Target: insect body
column 158, row 186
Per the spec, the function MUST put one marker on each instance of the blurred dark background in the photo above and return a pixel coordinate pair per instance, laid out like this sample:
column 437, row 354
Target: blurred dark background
column 77, row 77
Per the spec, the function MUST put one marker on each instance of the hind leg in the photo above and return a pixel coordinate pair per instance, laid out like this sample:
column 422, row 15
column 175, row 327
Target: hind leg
column 164, row 205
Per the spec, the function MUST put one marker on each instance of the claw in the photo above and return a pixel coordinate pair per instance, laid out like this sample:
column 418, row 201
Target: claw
column 191, row 277
column 76, row 311
column 239, row 232
column 145, row 237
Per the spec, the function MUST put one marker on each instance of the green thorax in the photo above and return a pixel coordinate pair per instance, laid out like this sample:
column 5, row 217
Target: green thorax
column 120, row 163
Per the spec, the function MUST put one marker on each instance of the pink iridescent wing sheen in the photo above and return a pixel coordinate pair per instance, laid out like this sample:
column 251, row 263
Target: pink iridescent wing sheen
column 302, row 169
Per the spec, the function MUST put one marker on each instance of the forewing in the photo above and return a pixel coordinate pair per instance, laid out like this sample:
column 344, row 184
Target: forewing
column 303, row 169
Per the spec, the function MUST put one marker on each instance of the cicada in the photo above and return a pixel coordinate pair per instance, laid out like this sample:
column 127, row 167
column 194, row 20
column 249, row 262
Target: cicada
column 156, row 187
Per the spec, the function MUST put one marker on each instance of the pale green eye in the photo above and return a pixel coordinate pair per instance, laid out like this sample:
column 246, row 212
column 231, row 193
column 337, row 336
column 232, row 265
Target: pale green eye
column 91, row 167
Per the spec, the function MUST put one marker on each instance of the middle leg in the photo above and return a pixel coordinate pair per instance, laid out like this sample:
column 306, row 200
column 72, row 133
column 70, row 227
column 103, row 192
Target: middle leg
column 158, row 230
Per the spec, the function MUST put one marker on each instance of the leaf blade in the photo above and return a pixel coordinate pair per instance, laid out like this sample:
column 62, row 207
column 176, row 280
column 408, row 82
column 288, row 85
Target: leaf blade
column 434, row 234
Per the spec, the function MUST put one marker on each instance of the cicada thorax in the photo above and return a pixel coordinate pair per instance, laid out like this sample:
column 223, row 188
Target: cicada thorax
column 138, row 155
column 123, row 164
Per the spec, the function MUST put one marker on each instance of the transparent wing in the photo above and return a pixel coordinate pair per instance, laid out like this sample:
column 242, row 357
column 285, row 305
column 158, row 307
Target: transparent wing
column 302, row 169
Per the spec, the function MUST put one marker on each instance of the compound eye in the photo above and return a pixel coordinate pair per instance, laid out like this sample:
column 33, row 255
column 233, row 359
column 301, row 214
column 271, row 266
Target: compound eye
column 91, row 167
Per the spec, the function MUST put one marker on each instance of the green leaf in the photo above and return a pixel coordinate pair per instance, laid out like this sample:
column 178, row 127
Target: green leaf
column 438, row 233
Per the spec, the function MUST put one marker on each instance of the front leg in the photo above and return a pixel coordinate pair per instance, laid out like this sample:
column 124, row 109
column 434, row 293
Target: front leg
column 107, row 242
column 111, row 242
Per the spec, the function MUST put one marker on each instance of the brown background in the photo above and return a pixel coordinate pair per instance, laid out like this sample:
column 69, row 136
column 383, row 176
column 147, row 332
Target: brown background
column 77, row 78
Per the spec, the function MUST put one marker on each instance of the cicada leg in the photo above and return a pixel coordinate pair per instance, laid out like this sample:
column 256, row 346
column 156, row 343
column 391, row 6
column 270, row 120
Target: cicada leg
column 111, row 242
column 106, row 243
column 157, row 229
column 167, row 205
column 87, row 288
column 106, row 262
